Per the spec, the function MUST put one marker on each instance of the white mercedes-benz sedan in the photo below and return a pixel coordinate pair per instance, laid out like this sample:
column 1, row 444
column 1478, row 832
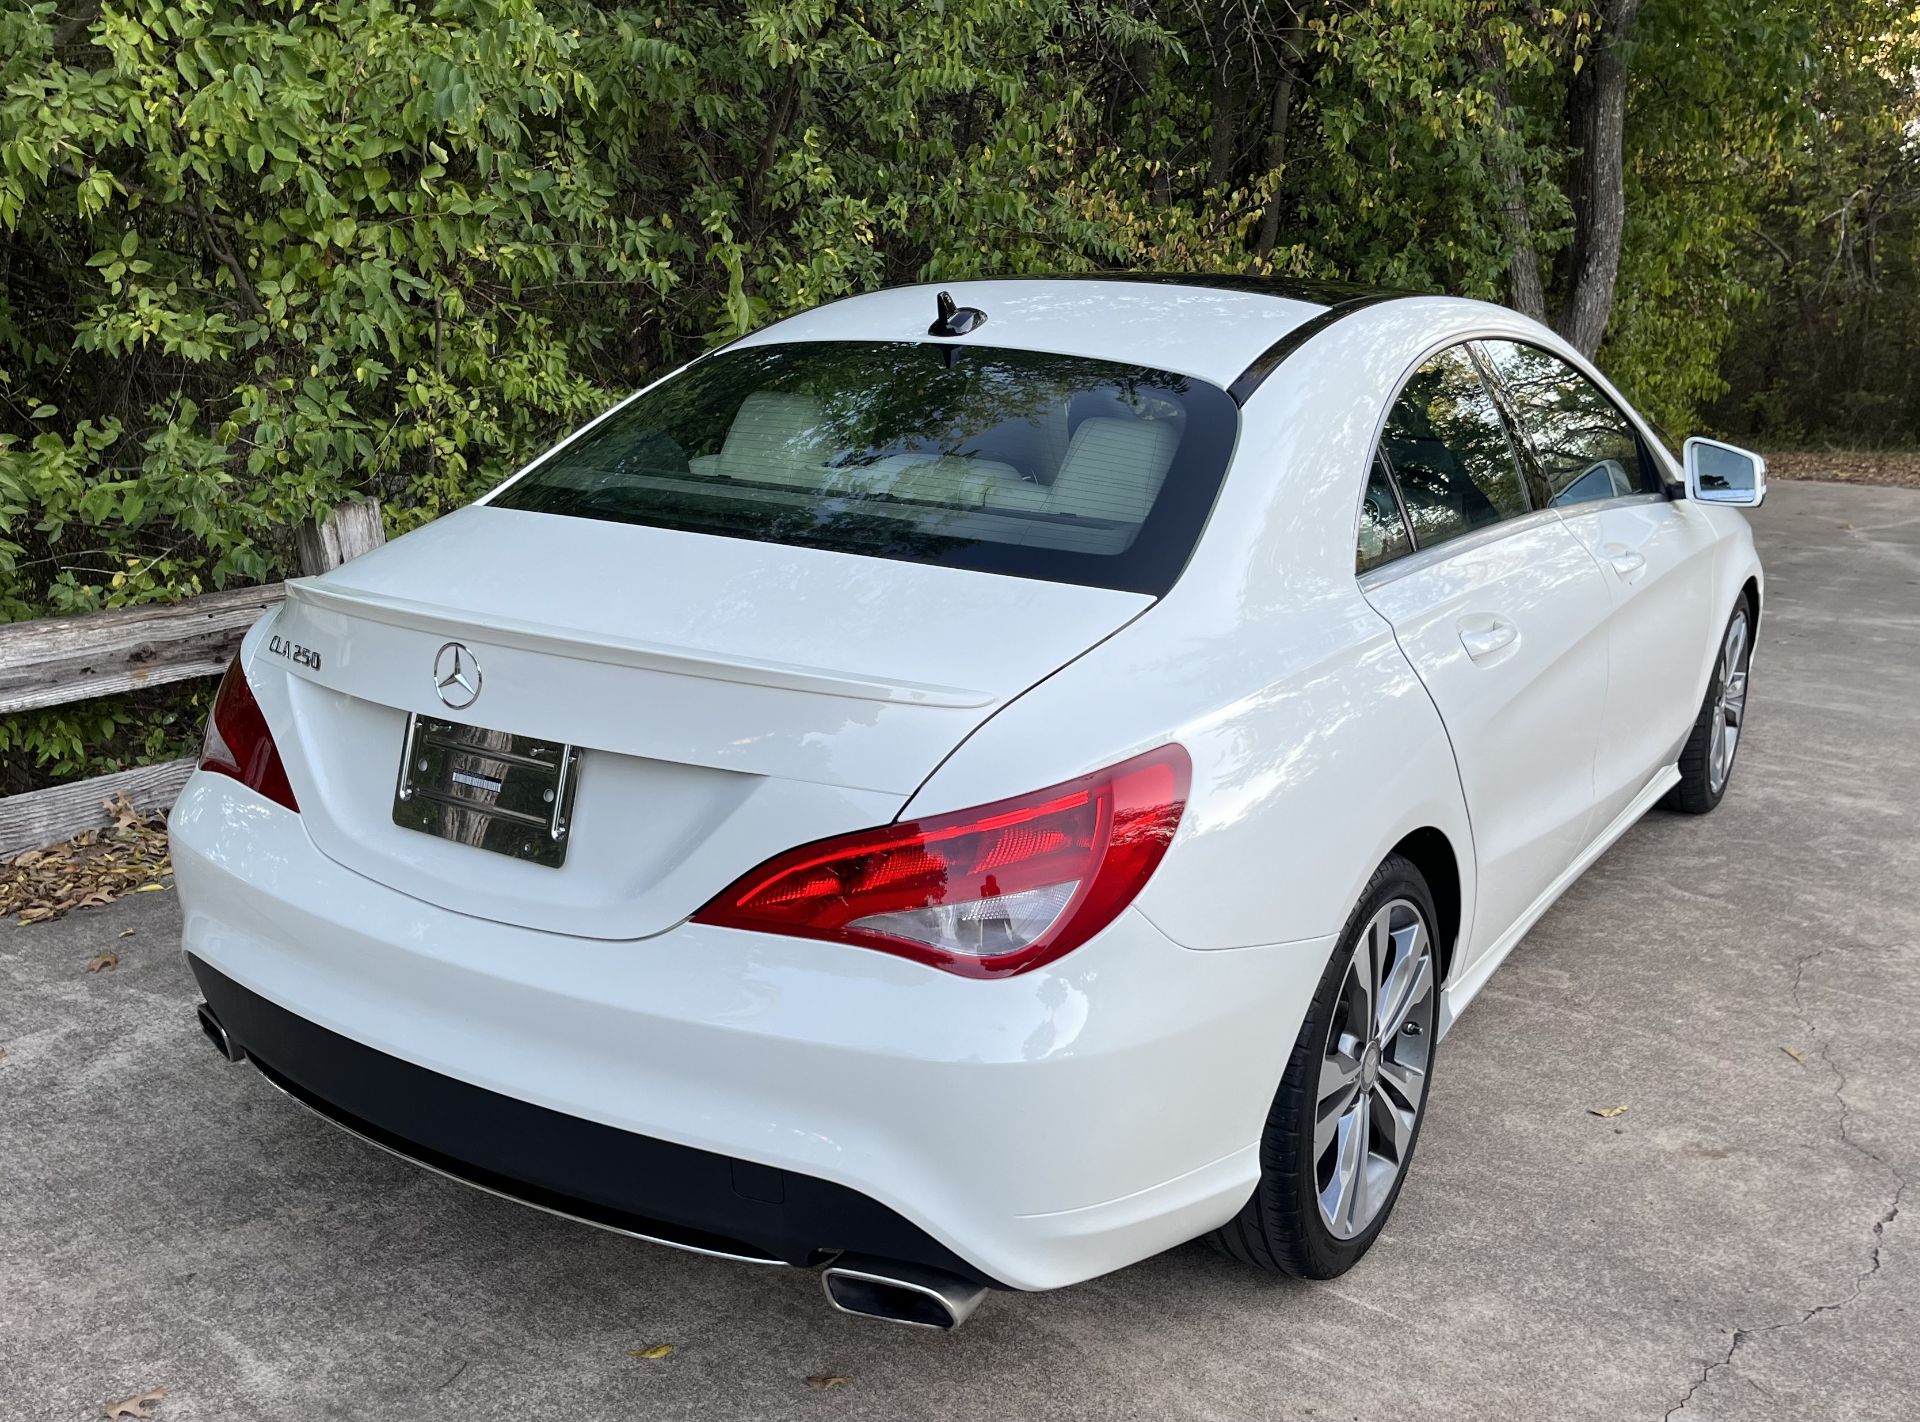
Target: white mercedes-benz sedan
column 971, row 789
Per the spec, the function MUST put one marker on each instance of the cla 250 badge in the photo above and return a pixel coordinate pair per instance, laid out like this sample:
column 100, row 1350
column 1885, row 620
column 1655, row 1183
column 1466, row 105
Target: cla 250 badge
column 294, row 652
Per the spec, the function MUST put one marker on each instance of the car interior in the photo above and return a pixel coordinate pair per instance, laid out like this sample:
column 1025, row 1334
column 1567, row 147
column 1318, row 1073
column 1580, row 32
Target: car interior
column 1091, row 459
column 1442, row 499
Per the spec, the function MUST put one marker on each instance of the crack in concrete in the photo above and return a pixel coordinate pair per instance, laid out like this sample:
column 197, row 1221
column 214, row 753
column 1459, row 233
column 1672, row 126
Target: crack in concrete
column 1844, row 1129
column 1739, row 1337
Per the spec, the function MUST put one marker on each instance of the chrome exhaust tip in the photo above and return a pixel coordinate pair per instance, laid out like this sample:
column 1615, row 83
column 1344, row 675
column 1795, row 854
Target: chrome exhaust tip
column 217, row 1035
column 900, row 1293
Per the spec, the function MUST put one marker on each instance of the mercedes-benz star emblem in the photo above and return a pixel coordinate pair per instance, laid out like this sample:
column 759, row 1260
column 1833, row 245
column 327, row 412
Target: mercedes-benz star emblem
column 456, row 676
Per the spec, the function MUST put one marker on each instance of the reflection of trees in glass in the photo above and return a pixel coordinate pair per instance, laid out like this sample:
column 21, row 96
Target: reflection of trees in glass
column 876, row 400
column 903, row 449
column 1570, row 423
column 1383, row 533
column 1450, row 452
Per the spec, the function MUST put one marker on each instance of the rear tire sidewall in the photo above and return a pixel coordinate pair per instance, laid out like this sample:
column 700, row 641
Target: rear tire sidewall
column 1325, row 1255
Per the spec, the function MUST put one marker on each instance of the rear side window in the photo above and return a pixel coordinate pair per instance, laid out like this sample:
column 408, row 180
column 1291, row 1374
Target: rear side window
column 1586, row 448
column 1383, row 528
column 1019, row 462
column 1448, row 449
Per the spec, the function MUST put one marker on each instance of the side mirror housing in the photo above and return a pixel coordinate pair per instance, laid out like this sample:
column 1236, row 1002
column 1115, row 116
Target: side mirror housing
column 1724, row 473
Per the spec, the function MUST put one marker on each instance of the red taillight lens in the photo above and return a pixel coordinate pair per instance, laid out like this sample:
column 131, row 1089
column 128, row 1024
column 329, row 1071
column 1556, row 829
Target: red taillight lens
column 983, row 893
column 239, row 744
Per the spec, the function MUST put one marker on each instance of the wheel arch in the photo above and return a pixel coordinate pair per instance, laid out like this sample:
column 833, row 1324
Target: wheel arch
column 1430, row 851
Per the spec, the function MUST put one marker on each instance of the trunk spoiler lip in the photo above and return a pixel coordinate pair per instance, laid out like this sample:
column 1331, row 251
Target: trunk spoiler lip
column 626, row 652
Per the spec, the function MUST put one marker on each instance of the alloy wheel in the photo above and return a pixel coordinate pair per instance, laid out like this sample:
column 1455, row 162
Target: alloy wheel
column 1730, row 702
column 1374, row 1069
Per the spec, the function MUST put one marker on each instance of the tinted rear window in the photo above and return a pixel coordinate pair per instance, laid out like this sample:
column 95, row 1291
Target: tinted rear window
column 1018, row 462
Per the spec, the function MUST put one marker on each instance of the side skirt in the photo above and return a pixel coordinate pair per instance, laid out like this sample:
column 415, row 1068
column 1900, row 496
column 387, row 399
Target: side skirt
column 1455, row 997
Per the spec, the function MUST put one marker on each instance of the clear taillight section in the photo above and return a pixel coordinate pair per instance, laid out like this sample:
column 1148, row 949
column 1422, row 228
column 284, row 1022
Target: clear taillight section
column 985, row 892
column 239, row 744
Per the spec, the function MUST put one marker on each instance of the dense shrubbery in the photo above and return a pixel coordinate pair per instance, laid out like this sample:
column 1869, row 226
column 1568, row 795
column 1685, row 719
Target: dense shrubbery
column 1827, row 350
column 260, row 255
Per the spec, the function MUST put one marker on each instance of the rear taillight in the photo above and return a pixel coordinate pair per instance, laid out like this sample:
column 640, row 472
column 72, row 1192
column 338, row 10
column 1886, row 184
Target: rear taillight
column 239, row 744
column 983, row 892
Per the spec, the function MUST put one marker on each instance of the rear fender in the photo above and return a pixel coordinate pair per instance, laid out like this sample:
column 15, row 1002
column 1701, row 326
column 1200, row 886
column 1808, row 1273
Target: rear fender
column 1303, row 781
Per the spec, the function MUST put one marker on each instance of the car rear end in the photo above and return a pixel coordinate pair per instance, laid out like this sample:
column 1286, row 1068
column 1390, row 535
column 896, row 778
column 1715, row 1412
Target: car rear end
column 569, row 845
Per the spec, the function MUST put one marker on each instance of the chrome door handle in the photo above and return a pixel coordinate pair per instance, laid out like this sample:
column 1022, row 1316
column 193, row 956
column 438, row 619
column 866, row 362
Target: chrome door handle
column 1484, row 639
column 1626, row 562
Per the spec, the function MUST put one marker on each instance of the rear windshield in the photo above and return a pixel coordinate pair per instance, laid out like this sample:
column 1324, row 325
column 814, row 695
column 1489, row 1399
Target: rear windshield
column 1035, row 465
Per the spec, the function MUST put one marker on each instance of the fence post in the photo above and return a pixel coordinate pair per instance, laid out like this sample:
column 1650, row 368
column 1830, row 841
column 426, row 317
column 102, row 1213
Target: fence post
column 347, row 532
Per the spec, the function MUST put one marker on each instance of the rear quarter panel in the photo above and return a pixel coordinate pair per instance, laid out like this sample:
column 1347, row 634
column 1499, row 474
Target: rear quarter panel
column 1315, row 748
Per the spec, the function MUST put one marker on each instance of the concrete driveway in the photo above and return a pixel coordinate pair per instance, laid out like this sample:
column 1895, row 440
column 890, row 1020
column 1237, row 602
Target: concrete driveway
column 1734, row 1245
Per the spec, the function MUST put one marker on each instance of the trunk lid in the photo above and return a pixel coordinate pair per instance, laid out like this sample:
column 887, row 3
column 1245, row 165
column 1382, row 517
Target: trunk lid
column 728, row 698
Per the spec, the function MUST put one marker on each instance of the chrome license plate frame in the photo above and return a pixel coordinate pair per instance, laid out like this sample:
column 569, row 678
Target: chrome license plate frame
column 496, row 791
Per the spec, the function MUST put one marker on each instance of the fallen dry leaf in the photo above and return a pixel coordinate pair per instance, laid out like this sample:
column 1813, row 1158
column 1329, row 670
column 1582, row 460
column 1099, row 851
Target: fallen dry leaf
column 136, row 1406
column 102, row 962
column 1796, row 1054
column 93, row 868
column 653, row 1354
column 126, row 933
column 1606, row 1113
column 829, row 1380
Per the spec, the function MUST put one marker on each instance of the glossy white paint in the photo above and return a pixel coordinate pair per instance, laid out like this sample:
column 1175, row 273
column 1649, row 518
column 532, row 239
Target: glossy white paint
column 865, row 1069
column 753, row 697
column 1510, row 638
column 1216, row 334
column 1656, row 557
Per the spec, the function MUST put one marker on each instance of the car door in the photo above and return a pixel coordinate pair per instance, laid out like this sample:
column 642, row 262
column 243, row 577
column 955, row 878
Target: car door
column 1655, row 555
column 1503, row 614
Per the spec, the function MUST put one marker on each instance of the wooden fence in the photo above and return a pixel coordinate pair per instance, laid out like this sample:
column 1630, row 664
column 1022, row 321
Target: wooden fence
column 59, row 660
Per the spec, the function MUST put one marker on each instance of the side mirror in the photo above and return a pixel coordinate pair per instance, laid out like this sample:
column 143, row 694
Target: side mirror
column 1724, row 474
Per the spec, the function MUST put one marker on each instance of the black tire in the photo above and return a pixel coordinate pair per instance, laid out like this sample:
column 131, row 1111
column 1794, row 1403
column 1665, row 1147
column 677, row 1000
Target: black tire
column 1281, row 1228
column 1697, row 794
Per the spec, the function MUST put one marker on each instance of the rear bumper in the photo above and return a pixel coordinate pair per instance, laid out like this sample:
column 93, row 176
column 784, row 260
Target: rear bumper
column 670, row 1194
column 1033, row 1131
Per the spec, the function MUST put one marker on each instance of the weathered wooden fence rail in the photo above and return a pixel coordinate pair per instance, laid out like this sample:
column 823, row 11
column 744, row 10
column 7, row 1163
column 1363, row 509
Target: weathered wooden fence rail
column 58, row 660
column 42, row 817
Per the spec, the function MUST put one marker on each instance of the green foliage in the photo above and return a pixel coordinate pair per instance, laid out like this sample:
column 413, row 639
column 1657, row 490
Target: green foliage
column 1401, row 186
column 259, row 256
column 102, row 735
column 262, row 257
column 1826, row 348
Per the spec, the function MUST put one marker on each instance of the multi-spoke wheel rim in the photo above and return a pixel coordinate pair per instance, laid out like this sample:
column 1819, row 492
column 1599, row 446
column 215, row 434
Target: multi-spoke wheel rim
column 1730, row 702
column 1373, row 1073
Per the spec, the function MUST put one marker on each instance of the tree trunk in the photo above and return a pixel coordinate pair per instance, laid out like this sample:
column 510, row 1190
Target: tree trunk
column 1224, row 133
column 1597, row 107
column 1524, row 290
column 1143, row 65
column 1276, row 160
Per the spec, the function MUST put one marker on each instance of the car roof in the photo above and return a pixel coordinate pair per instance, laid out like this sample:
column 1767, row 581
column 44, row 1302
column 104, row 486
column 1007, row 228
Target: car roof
column 1227, row 330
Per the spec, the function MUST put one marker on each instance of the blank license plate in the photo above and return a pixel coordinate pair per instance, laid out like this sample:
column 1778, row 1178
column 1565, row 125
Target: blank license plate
column 493, row 790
